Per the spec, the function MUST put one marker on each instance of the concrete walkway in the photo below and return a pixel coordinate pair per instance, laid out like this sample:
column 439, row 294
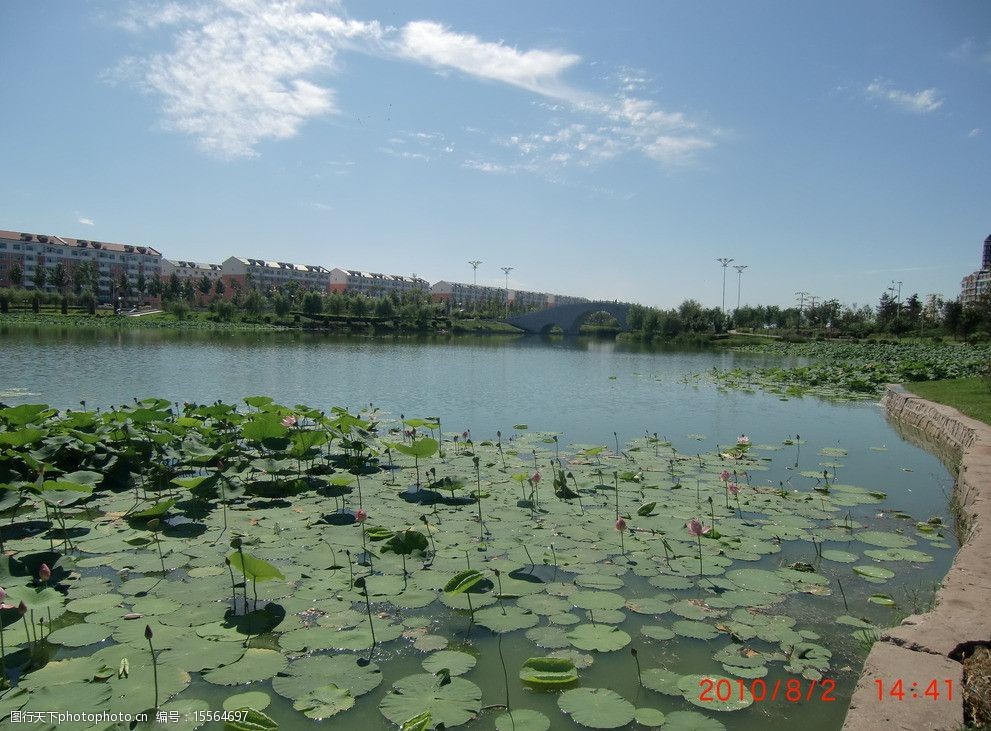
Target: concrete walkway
column 931, row 646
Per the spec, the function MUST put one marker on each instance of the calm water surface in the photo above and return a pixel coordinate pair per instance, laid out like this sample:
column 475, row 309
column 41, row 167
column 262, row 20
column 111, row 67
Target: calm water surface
column 584, row 390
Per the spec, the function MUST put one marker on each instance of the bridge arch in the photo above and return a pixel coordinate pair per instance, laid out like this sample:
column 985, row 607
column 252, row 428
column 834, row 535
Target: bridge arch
column 569, row 317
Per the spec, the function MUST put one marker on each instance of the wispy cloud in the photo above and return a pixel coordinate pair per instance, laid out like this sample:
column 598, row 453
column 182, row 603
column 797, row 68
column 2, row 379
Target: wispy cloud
column 239, row 72
column 243, row 72
column 976, row 132
column 536, row 70
column 974, row 52
column 918, row 102
column 86, row 221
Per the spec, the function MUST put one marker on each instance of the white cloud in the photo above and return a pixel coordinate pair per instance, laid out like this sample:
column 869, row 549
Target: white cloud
column 239, row 72
column 538, row 71
column 976, row 132
column 919, row 102
column 86, row 221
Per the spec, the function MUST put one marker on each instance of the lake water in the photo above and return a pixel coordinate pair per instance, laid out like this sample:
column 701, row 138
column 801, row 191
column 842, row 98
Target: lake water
column 582, row 390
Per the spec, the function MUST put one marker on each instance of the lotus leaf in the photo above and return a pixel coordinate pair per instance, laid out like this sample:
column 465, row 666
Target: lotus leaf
column 596, row 707
column 451, row 703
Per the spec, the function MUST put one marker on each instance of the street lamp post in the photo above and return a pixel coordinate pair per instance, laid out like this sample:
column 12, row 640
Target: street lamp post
column 801, row 306
column 739, row 280
column 474, row 295
column 725, row 262
column 506, row 271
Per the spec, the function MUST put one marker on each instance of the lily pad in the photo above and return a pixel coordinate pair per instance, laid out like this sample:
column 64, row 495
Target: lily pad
column 596, row 707
column 452, row 703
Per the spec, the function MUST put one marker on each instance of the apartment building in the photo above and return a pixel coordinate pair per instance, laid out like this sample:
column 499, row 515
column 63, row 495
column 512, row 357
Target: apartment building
column 109, row 261
column 468, row 295
column 374, row 284
column 264, row 275
column 978, row 284
column 191, row 270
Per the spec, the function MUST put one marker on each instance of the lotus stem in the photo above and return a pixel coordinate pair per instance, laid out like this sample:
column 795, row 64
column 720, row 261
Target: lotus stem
column 554, row 557
column 478, row 494
column 472, row 610
column 498, row 575
column 616, row 437
column 505, row 675
column 700, row 558
column 34, row 629
column 154, row 660
column 363, row 585
column 633, row 651
column 350, row 565
column 233, row 586
column 615, row 479
column 842, row 594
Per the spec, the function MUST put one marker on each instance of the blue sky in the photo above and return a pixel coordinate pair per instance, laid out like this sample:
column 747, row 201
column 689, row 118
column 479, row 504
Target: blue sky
column 611, row 150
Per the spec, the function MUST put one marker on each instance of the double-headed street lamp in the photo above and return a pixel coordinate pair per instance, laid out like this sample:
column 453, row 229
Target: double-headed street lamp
column 506, row 271
column 474, row 265
column 739, row 280
column 725, row 262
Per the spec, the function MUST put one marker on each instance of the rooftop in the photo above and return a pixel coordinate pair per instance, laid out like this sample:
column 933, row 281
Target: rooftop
column 78, row 243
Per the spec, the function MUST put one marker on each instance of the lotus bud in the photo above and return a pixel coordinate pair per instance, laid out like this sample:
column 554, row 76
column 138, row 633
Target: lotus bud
column 44, row 573
column 154, row 523
column 621, row 525
column 496, row 572
column 148, row 633
column 22, row 608
column 360, row 582
column 235, row 543
column 360, row 515
column 633, row 651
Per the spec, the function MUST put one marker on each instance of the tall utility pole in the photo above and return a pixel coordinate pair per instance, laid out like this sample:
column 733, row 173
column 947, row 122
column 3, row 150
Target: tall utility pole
column 506, row 271
column 739, row 280
column 725, row 262
column 801, row 306
column 474, row 295
column 474, row 265
column 897, row 291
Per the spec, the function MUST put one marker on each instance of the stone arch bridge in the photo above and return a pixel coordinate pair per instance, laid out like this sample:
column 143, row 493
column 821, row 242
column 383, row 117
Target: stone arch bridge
column 568, row 317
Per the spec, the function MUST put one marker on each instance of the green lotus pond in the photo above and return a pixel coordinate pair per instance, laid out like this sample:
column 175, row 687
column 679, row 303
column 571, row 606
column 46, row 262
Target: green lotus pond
column 293, row 563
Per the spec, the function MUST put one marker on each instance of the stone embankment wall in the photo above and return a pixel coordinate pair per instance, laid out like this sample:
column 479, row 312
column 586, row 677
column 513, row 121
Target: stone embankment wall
column 930, row 646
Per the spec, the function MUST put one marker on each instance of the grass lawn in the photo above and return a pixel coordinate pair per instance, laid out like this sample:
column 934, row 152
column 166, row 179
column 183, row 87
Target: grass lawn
column 968, row 395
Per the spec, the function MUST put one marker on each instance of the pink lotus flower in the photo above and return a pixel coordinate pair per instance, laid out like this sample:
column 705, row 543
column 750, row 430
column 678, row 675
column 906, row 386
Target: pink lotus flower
column 695, row 528
column 465, row 435
column 734, row 488
column 535, row 478
column 621, row 525
column 289, row 421
column 360, row 515
column 724, row 475
column 3, row 604
column 44, row 573
column 743, row 439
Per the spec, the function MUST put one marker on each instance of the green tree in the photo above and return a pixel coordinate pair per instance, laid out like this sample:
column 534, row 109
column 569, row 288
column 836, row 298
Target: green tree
column 88, row 300
column 219, row 288
column 175, row 286
column 40, row 277
column 188, row 290
column 60, row 277
column 155, row 285
column 204, row 285
column 312, row 303
column 141, row 284
column 254, row 303
column 15, row 275
column 281, row 304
